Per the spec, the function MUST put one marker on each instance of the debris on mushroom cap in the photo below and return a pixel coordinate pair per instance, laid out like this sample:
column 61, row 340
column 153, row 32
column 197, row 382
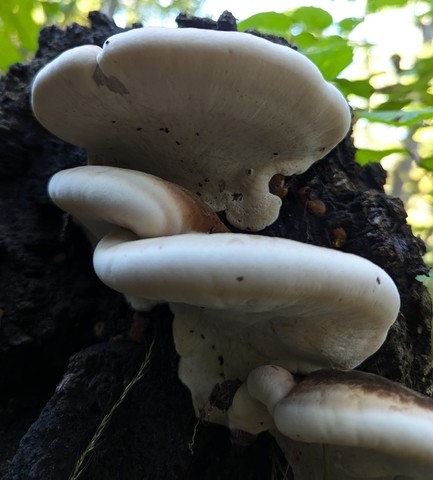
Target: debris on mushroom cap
column 372, row 427
column 241, row 301
column 219, row 113
column 105, row 198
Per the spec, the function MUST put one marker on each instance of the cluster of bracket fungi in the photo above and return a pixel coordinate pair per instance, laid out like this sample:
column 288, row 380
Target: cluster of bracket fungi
column 182, row 124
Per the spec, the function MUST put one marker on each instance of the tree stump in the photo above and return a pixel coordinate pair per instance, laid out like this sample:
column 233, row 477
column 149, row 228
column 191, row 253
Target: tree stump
column 69, row 346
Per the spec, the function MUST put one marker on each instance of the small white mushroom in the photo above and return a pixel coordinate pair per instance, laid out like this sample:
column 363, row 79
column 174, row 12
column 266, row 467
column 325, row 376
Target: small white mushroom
column 219, row 113
column 253, row 404
column 355, row 425
column 269, row 384
column 241, row 301
column 247, row 414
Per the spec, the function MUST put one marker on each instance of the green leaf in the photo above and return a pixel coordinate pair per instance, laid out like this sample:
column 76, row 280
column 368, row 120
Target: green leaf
column 305, row 40
column 269, row 22
column 397, row 117
column 331, row 55
column 51, row 9
column 361, row 88
column 312, row 18
column 393, row 104
column 10, row 53
column 364, row 156
column 18, row 22
column 374, row 6
column 427, row 163
column 347, row 25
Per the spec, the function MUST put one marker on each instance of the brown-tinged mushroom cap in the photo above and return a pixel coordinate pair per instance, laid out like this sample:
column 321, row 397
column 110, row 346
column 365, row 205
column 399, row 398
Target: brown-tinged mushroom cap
column 218, row 113
column 243, row 300
column 371, row 427
column 105, row 198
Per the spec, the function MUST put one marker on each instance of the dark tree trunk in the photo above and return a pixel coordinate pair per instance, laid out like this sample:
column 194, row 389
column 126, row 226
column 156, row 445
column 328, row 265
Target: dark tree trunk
column 69, row 346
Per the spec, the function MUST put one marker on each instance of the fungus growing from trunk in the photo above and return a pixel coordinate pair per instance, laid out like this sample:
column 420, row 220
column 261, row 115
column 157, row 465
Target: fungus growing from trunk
column 180, row 125
column 219, row 113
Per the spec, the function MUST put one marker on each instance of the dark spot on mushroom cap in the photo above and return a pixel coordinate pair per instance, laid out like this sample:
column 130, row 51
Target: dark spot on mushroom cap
column 222, row 394
column 202, row 336
column 378, row 280
column 111, row 82
column 237, row 197
column 221, row 360
column 221, row 186
column 239, row 279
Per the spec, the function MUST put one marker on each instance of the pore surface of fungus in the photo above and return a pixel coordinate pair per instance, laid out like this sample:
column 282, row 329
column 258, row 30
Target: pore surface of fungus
column 219, row 113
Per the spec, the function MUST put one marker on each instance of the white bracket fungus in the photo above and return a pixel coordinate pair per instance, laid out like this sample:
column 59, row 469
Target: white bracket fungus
column 106, row 198
column 241, row 301
column 219, row 113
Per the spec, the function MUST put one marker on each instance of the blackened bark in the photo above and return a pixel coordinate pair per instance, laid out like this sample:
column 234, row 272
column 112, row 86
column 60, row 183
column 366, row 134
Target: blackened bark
column 60, row 327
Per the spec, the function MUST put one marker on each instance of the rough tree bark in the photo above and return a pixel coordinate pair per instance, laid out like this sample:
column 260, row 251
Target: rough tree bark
column 69, row 345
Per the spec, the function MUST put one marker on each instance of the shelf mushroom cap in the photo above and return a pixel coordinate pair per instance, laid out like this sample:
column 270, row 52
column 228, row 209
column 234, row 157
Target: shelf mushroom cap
column 374, row 428
column 242, row 300
column 219, row 113
column 105, row 198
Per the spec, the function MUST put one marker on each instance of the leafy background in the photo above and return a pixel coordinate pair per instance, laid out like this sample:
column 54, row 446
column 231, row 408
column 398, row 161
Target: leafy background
column 392, row 97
